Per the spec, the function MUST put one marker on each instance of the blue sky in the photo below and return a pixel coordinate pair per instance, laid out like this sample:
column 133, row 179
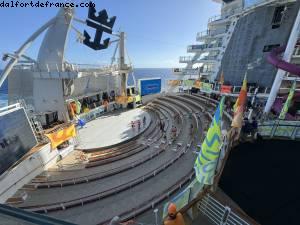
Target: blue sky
column 158, row 31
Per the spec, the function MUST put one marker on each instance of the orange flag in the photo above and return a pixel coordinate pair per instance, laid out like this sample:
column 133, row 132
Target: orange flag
column 222, row 78
column 239, row 106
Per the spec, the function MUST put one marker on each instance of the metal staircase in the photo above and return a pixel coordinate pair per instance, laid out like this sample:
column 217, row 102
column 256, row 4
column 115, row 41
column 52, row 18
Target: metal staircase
column 225, row 41
column 38, row 129
column 218, row 213
column 34, row 122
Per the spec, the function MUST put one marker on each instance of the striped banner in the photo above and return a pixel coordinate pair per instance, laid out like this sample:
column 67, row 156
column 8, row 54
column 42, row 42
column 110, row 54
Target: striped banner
column 288, row 102
column 207, row 159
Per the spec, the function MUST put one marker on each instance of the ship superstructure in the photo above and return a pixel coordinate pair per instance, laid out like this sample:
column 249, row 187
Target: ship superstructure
column 50, row 83
column 205, row 62
column 238, row 41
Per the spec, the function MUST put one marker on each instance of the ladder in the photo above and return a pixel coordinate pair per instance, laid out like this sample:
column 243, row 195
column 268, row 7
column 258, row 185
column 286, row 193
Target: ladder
column 35, row 123
column 226, row 40
column 38, row 129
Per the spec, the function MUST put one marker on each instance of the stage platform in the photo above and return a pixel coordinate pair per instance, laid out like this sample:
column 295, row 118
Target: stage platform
column 111, row 129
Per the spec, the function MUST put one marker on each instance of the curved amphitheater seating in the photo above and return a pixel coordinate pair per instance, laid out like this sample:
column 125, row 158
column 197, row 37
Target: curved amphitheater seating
column 157, row 169
column 149, row 180
column 98, row 175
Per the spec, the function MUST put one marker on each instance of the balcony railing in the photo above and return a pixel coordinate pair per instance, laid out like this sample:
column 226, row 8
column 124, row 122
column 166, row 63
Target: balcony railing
column 203, row 47
column 213, row 57
column 194, row 71
column 280, row 129
column 210, row 33
column 215, row 18
column 186, row 59
column 225, row 15
column 67, row 67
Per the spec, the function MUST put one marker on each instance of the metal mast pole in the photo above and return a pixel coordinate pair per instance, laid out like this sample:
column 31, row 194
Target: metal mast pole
column 123, row 66
column 22, row 49
column 286, row 57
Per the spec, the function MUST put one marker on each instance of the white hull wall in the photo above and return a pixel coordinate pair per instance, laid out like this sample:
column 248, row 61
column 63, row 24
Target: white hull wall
column 28, row 169
column 48, row 96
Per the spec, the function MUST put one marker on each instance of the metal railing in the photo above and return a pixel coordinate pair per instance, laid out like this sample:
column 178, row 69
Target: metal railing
column 280, row 129
column 102, row 174
column 218, row 213
column 194, row 71
column 235, row 90
column 44, row 208
column 225, row 15
column 186, row 59
column 66, row 67
column 203, row 47
column 7, row 109
column 211, row 33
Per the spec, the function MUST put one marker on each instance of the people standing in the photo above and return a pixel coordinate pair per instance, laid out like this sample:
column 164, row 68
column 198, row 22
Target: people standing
column 160, row 126
column 174, row 132
column 254, row 127
column 132, row 125
column 163, row 126
column 174, row 217
column 139, row 125
column 144, row 121
column 191, row 129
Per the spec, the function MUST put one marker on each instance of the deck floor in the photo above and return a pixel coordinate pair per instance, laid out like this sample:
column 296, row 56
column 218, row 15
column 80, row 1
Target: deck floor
column 111, row 129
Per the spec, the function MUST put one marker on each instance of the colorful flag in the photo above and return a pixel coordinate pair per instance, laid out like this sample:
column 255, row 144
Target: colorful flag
column 288, row 102
column 58, row 137
column 239, row 106
column 207, row 159
column 78, row 106
column 197, row 84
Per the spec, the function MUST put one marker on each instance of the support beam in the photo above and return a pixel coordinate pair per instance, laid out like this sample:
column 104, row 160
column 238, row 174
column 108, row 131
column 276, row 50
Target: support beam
column 22, row 49
column 286, row 57
column 123, row 66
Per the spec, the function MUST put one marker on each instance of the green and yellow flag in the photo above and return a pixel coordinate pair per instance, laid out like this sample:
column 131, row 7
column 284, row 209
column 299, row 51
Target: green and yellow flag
column 288, row 102
column 207, row 159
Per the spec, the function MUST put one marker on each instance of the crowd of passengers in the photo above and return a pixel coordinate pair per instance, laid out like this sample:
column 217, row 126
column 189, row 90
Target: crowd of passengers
column 95, row 101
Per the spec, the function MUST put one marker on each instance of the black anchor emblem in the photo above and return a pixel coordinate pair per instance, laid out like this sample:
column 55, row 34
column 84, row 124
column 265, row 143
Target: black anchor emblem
column 102, row 24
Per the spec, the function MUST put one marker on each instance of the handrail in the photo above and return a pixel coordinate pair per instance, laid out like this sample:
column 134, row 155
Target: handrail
column 219, row 213
column 160, row 197
column 211, row 33
column 5, row 109
column 204, row 47
column 155, row 200
column 80, row 201
column 280, row 128
column 91, row 177
column 211, row 213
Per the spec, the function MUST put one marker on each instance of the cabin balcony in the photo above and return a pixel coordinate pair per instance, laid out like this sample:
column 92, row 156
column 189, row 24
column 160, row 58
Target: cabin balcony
column 204, row 47
column 211, row 34
column 191, row 59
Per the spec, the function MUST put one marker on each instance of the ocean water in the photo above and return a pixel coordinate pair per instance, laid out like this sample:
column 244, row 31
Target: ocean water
column 3, row 94
column 140, row 73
